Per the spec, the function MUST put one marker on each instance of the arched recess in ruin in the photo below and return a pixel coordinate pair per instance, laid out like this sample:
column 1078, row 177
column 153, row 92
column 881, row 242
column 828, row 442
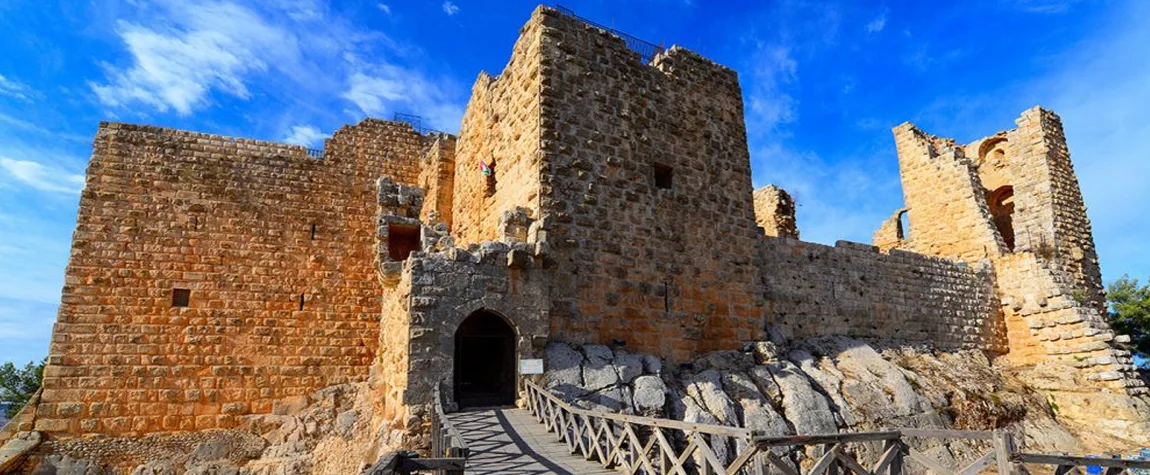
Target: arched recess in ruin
column 1001, row 203
column 902, row 229
column 484, row 368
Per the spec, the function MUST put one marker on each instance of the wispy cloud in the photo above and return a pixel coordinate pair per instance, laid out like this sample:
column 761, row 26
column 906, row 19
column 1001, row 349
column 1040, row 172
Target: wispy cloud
column 306, row 135
column 12, row 88
column 771, row 103
column 1045, row 6
column 206, row 47
column 41, row 177
column 879, row 23
column 450, row 8
column 383, row 89
column 191, row 55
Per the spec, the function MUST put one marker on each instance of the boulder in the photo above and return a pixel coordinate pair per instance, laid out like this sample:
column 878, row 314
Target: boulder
column 807, row 409
column 563, row 366
column 650, row 395
column 707, row 389
column 629, row 366
column 598, row 372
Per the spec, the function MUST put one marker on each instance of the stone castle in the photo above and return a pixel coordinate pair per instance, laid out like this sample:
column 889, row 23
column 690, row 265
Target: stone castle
column 590, row 197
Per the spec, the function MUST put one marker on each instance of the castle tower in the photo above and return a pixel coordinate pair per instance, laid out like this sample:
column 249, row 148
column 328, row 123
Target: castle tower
column 1013, row 200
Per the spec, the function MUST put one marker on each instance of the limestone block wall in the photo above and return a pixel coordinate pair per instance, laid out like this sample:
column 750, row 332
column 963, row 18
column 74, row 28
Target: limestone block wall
column 947, row 213
column 500, row 129
column 1047, row 323
column 395, row 146
column 775, row 212
column 646, row 177
column 1049, row 215
column 853, row 289
column 891, row 234
column 438, row 291
column 437, row 178
column 275, row 249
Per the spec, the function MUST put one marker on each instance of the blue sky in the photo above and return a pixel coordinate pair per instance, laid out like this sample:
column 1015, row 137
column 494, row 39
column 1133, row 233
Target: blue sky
column 824, row 81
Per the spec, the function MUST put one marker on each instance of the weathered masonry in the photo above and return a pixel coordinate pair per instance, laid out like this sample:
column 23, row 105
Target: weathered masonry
column 590, row 197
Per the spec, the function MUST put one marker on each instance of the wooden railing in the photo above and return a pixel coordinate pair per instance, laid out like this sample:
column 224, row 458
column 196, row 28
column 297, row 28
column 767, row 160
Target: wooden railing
column 448, row 449
column 446, row 441
column 633, row 444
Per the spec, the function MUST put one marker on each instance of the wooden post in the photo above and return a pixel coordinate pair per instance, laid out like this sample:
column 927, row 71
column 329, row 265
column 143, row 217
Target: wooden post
column 1004, row 452
column 455, row 452
column 896, row 464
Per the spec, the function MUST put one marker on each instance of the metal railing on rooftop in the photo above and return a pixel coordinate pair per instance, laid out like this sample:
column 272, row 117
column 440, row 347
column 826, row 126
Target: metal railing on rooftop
column 646, row 49
column 416, row 122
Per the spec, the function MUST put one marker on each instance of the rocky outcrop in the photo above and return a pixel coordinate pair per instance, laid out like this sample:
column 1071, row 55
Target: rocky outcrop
column 820, row 385
column 327, row 432
column 597, row 376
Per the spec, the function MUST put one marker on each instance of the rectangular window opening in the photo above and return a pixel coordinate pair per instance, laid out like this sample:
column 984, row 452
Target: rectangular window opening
column 181, row 297
column 663, row 175
column 402, row 240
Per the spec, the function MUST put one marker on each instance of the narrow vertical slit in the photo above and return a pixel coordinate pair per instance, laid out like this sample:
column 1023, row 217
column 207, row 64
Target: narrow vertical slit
column 666, row 297
column 313, row 229
column 301, row 302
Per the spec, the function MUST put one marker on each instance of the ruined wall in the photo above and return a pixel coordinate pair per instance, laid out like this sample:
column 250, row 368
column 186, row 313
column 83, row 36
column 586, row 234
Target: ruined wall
column 437, row 178
column 647, row 176
column 500, row 129
column 775, row 212
column 275, row 247
column 852, row 289
column 947, row 213
column 1047, row 216
column 1014, row 194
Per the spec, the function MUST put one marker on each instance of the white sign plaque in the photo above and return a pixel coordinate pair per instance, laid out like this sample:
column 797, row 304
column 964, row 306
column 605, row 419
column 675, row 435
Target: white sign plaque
column 530, row 366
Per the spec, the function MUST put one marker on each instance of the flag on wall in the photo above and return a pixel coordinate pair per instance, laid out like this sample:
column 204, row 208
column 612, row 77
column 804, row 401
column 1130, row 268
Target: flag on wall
column 485, row 169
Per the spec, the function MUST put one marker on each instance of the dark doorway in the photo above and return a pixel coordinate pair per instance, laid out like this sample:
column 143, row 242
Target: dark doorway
column 1001, row 202
column 484, row 361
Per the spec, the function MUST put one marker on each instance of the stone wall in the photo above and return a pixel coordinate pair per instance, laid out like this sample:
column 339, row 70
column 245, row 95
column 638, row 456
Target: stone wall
column 437, row 178
column 775, row 212
column 947, row 213
column 275, row 247
column 852, row 289
column 647, row 176
column 500, row 130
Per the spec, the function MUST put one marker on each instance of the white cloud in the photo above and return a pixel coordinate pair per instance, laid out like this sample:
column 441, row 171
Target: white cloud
column 306, row 135
column 450, row 8
column 199, row 48
column 878, row 24
column 1045, row 6
column 380, row 90
column 384, row 8
column 42, row 177
column 12, row 88
column 188, row 55
column 771, row 105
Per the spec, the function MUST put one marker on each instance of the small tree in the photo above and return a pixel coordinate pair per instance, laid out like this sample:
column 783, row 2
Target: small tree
column 1130, row 311
column 18, row 384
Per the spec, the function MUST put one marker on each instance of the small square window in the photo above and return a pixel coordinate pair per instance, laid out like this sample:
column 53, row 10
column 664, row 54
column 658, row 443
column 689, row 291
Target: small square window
column 181, row 297
column 402, row 240
column 663, row 175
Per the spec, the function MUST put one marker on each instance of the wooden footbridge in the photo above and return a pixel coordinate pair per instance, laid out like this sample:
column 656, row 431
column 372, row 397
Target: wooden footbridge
column 552, row 437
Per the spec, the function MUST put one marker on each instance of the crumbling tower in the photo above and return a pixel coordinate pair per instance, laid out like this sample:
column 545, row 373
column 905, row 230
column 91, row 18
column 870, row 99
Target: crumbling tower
column 1012, row 198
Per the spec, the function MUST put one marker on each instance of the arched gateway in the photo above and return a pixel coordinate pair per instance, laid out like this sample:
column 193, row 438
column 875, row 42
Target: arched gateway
column 484, row 361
